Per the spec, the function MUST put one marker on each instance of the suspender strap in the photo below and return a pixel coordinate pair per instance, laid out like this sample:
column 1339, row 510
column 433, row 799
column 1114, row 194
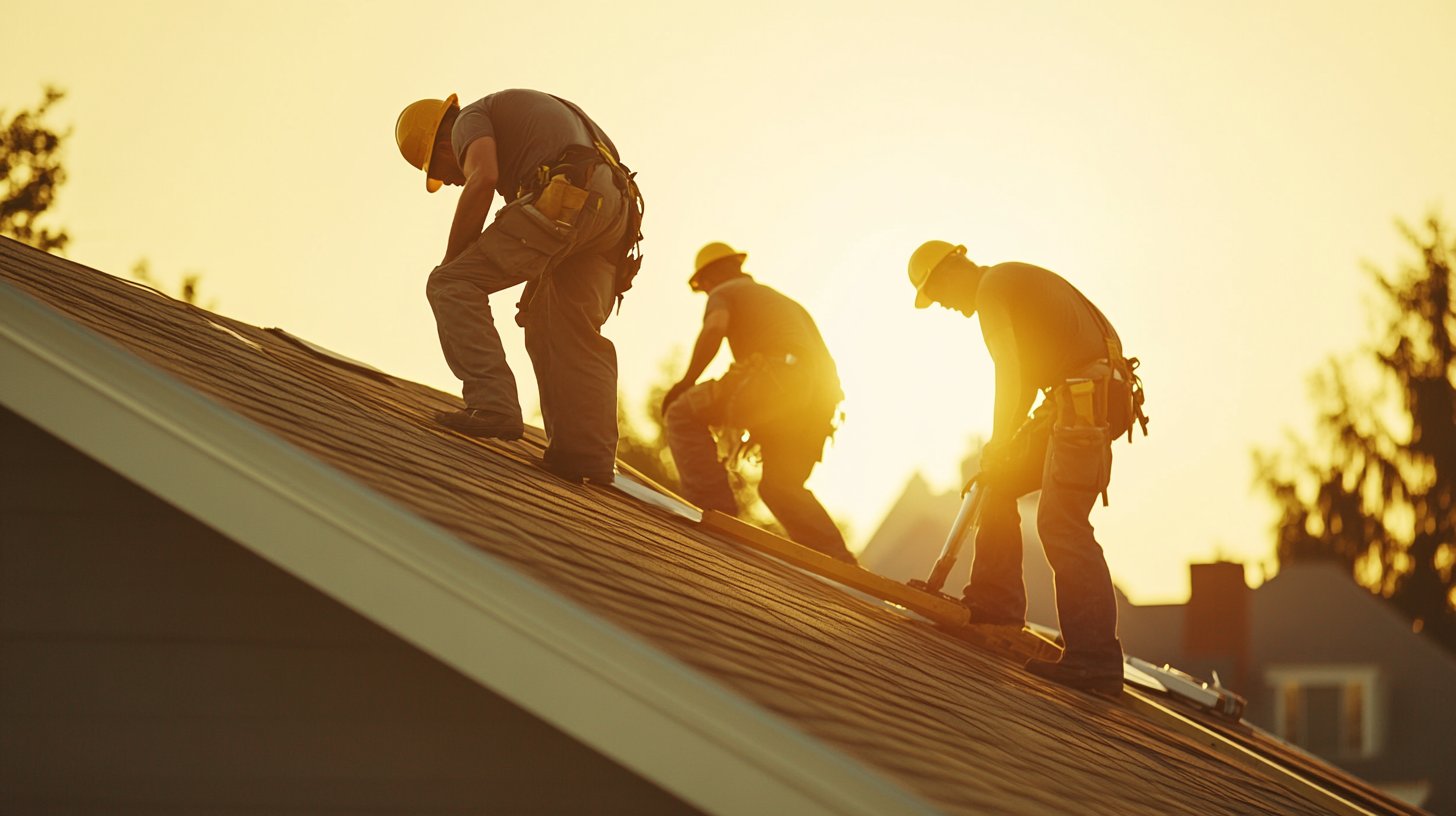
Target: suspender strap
column 630, row 250
column 1123, row 366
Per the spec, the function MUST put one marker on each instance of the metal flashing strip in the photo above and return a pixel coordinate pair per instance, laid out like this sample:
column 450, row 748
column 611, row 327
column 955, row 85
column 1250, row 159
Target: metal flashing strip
column 626, row 699
column 330, row 356
column 637, row 490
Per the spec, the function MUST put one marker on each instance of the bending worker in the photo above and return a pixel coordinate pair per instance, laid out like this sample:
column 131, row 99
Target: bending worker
column 1042, row 334
column 783, row 388
column 568, row 226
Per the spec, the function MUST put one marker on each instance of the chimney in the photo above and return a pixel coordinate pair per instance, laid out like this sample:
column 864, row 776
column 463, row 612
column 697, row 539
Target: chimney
column 1216, row 622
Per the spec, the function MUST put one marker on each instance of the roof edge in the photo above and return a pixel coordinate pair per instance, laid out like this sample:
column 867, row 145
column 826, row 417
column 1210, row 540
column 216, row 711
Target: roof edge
column 625, row 698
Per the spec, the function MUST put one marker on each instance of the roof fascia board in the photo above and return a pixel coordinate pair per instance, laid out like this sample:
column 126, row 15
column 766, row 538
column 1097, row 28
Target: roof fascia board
column 623, row 697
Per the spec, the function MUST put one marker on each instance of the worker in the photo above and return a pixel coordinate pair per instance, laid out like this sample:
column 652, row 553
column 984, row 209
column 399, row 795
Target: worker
column 1042, row 334
column 783, row 388
column 568, row 230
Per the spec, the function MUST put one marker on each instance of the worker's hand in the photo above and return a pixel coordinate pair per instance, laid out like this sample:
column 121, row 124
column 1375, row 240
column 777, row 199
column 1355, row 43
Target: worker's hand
column 673, row 393
column 995, row 461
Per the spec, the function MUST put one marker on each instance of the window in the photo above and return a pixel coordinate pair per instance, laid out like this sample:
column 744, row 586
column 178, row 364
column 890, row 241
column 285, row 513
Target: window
column 1335, row 712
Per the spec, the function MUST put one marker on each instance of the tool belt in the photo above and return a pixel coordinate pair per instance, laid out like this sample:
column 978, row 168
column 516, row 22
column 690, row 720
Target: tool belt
column 1097, row 398
column 560, row 187
column 779, row 400
column 558, row 191
column 1101, row 395
column 1124, row 403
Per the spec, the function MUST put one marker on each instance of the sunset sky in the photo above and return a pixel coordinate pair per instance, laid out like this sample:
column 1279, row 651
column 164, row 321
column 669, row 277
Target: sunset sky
column 1213, row 175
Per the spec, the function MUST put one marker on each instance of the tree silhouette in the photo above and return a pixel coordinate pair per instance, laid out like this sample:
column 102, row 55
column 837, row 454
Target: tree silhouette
column 30, row 164
column 1379, row 494
column 189, row 290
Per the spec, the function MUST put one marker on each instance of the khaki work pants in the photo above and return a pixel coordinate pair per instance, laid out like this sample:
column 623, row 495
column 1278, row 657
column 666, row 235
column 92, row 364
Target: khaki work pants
column 576, row 367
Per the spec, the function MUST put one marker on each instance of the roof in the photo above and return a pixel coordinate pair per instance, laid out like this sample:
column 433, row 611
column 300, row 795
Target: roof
column 729, row 678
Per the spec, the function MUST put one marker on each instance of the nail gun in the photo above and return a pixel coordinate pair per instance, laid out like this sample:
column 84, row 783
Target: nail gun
column 964, row 528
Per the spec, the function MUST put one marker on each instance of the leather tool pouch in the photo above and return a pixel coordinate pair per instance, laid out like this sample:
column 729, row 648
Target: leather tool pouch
column 561, row 201
column 1077, row 404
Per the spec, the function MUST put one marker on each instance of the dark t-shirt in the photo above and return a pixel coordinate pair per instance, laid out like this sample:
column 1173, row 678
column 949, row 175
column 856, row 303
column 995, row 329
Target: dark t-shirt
column 1056, row 328
column 762, row 320
column 530, row 129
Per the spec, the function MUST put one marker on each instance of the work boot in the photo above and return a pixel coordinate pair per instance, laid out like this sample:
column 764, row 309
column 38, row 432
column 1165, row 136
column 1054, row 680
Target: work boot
column 1107, row 683
column 576, row 476
column 481, row 424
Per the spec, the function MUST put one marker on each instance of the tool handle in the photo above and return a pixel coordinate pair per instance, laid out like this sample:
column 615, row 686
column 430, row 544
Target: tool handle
column 966, row 521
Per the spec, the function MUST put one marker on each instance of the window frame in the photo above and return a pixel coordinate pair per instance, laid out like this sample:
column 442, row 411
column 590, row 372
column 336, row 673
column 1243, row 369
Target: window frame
column 1367, row 676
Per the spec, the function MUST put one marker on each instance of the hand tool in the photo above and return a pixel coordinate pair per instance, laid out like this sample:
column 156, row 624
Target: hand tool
column 964, row 528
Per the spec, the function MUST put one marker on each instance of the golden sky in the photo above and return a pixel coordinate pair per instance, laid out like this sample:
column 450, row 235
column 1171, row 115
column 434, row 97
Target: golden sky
column 1213, row 175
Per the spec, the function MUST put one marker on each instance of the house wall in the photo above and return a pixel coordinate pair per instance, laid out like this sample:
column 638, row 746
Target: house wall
column 150, row 665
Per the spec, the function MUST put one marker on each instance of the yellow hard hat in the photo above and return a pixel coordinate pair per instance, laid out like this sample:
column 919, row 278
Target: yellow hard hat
column 930, row 255
column 711, row 254
column 415, row 132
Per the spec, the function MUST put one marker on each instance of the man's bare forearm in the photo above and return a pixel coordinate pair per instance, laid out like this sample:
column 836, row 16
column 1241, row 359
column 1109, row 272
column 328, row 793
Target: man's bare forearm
column 704, row 350
column 470, row 213
column 1013, row 401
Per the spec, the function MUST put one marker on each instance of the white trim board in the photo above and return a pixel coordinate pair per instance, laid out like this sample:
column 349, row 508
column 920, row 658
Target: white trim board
column 633, row 703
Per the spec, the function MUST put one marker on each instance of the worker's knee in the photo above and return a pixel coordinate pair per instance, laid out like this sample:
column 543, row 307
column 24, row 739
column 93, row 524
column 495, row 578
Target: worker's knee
column 679, row 412
column 439, row 287
column 681, row 418
column 1063, row 528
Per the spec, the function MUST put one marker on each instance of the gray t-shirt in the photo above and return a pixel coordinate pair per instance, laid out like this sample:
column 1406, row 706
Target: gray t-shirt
column 530, row 129
column 1057, row 331
column 762, row 320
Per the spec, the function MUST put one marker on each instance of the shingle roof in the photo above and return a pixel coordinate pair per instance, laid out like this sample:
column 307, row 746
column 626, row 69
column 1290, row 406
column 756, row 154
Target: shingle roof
column 955, row 725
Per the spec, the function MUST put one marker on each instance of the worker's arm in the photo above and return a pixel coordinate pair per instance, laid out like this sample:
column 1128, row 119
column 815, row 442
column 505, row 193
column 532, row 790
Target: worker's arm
column 481, row 175
column 710, row 339
column 1013, row 396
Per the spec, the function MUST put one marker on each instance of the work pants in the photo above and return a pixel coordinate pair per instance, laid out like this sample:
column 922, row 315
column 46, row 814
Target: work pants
column 788, row 459
column 576, row 367
column 1072, row 467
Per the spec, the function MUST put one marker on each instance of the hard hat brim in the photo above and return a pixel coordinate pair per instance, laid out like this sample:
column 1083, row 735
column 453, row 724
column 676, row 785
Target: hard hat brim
column 434, row 184
column 740, row 257
column 922, row 299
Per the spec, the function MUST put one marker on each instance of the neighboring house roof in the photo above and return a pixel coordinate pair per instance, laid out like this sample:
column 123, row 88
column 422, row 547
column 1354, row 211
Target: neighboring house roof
column 733, row 681
column 1312, row 618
